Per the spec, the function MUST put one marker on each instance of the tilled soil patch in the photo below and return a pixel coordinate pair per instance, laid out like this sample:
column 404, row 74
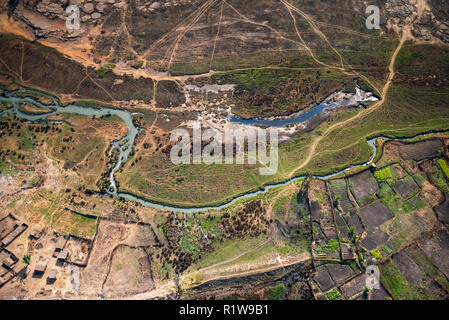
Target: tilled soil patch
column 339, row 272
column 324, row 279
column 363, row 185
column 374, row 239
column 437, row 249
column 353, row 220
column 404, row 188
column 315, row 209
column 130, row 272
column 420, row 150
column 342, row 228
column 408, row 268
column 415, row 276
column 375, row 215
column 317, row 233
column 443, row 212
column 330, row 233
column 355, row 286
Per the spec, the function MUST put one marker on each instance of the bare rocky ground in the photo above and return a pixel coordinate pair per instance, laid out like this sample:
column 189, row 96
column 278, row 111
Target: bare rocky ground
column 129, row 36
column 432, row 26
column 46, row 20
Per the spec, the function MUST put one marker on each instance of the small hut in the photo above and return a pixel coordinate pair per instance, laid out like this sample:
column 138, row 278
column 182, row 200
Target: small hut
column 41, row 266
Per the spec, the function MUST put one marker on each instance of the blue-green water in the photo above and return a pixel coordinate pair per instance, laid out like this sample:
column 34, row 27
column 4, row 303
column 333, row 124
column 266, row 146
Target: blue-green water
column 124, row 146
column 300, row 118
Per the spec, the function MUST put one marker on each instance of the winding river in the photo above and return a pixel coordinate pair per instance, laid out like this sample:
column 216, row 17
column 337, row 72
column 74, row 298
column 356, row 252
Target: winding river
column 124, row 145
column 282, row 122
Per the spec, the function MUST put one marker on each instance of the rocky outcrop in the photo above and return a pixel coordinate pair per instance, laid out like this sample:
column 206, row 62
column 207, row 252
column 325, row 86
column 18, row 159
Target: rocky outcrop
column 428, row 19
column 46, row 18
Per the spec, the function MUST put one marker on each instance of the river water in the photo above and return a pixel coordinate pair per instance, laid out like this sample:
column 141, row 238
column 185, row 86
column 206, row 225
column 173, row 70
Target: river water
column 125, row 145
column 335, row 100
column 299, row 118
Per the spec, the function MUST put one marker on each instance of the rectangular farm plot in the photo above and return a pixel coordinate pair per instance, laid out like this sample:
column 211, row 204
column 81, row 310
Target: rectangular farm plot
column 315, row 210
column 325, row 238
column 340, row 195
column 385, row 190
column 327, row 249
column 374, row 239
column 442, row 163
column 425, row 263
column 76, row 224
column 129, row 273
column 410, row 275
column 390, row 173
column 401, row 193
column 442, row 212
column 353, row 221
column 432, row 170
column 328, row 277
column 413, row 215
column 354, row 287
column 421, row 150
column 7, row 225
column 363, row 185
column 379, row 294
column 320, row 206
column 346, row 220
column 339, row 272
column 414, row 218
column 342, row 228
column 397, row 178
column 437, row 249
column 419, row 281
column 406, row 187
column 324, row 279
column 375, row 215
column 345, row 237
column 395, row 282
column 383, row 175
